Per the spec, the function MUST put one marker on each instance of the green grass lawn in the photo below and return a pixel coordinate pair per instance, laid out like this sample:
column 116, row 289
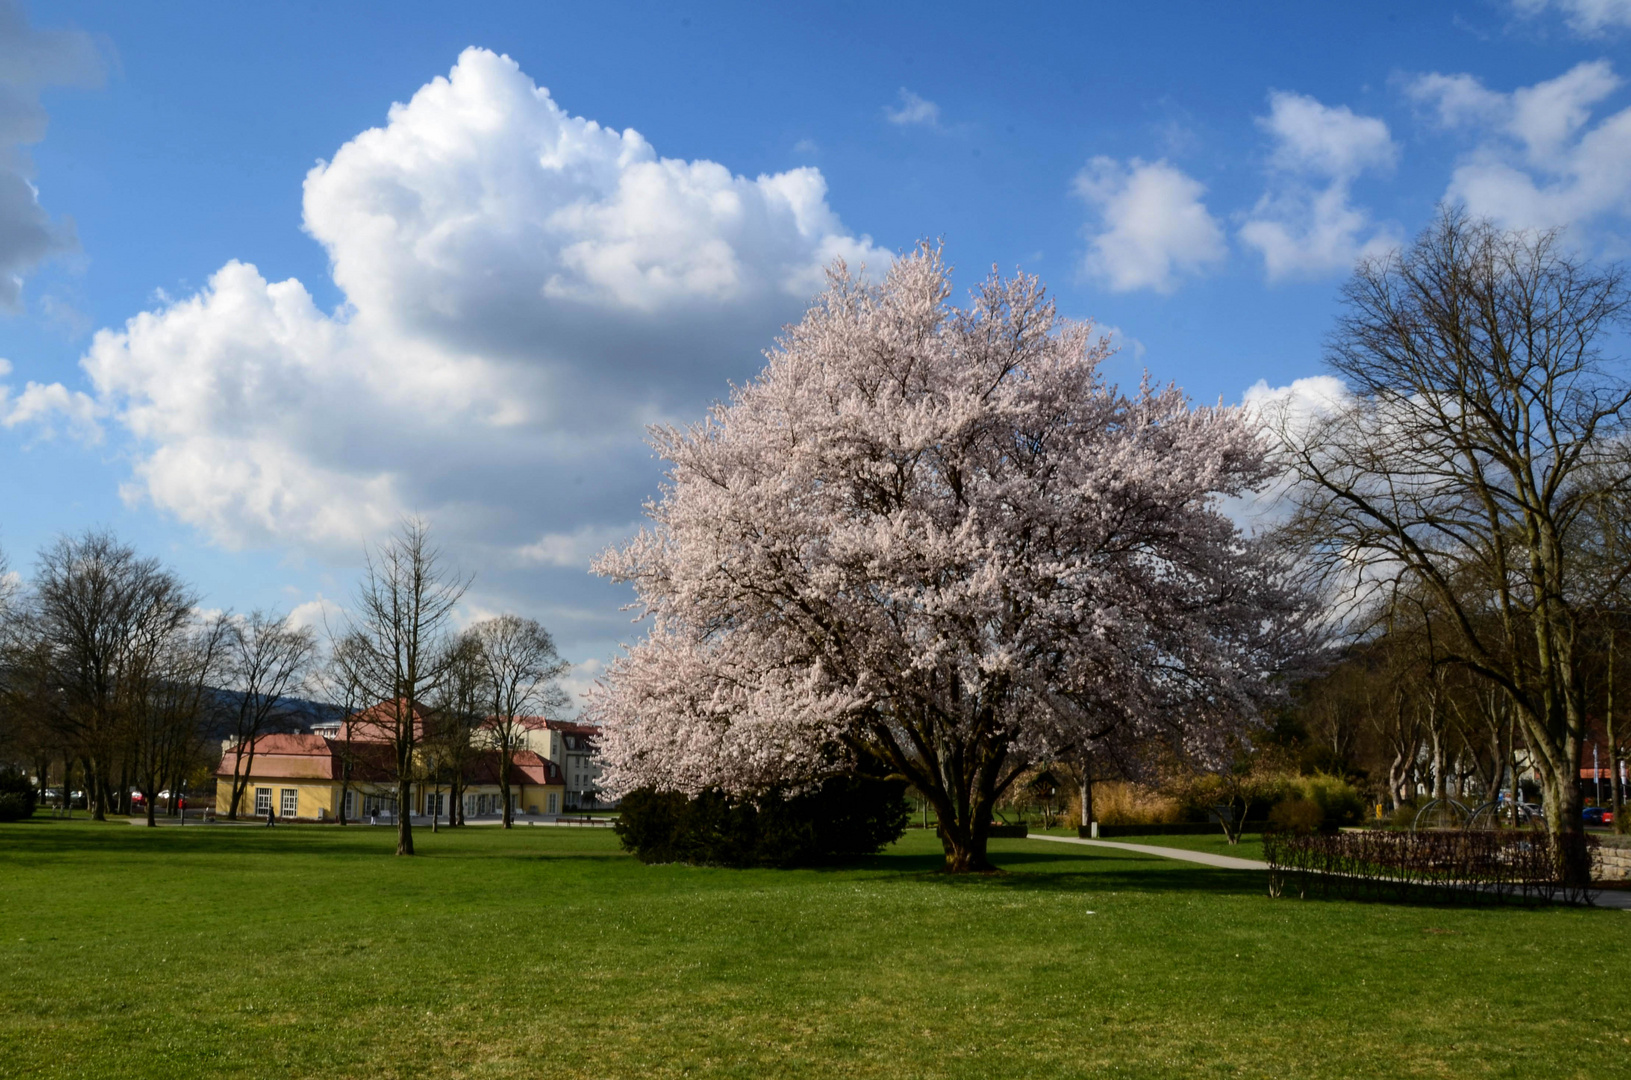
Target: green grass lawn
column 543, row 953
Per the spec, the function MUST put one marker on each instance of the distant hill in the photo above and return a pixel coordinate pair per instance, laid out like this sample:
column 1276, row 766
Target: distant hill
column 293, row 714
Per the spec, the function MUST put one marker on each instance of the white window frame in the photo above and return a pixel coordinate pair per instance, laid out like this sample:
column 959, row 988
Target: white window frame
column 288, row 802
column 263, row 801
column 553, row 803
column 351, row 804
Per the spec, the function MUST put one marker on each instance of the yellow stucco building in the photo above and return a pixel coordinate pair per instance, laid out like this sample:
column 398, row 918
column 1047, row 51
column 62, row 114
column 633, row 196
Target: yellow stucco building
column 306, row 778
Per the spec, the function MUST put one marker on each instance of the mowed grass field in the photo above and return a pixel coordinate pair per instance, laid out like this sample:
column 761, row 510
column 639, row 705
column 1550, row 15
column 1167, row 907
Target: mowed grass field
column 547, row 952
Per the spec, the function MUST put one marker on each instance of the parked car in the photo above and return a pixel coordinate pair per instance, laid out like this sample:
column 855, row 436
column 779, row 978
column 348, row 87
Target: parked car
column 1596, row 815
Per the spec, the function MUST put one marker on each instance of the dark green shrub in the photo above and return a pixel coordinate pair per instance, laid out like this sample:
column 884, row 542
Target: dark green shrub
column 1297, row 815
column 841, row 818
column 16, row 796
column 1339, row 801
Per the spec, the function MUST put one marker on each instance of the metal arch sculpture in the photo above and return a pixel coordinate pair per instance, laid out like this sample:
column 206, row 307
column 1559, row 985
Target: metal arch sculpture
column 1438, row 814
column 1496, row 814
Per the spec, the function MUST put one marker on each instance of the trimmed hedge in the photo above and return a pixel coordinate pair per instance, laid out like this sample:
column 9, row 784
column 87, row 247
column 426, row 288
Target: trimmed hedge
column 842, row 818
column 16, row 796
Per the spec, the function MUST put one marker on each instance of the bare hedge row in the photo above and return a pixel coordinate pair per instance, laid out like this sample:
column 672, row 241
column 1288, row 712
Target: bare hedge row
column 1434, row 866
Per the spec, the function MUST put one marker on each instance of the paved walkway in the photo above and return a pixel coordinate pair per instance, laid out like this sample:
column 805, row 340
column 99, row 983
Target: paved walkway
column 1205, row 858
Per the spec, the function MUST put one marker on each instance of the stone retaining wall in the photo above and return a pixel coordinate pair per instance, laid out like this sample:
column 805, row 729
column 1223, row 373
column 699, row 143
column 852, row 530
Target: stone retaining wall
column 1612, row 861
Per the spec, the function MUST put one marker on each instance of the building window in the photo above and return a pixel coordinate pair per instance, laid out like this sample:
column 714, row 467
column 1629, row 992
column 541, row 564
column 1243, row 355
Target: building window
column 263, row 801
column 551, row 804
column 290, row 802
column 350, row 805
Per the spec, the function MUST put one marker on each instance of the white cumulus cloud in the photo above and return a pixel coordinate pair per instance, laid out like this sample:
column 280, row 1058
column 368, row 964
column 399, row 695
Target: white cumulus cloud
column 524, row 290
column 1538, row 160
column 1306, row 224
column 41, row 406
column 1289, row 409
column 1153, row 228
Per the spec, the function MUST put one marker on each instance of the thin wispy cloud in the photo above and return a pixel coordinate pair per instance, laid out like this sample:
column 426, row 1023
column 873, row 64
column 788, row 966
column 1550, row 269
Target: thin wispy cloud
column 913, row 110
column 1588, row 18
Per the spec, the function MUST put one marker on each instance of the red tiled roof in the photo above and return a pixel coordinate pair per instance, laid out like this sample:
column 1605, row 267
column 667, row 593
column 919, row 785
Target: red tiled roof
column 526, row 767
column 290, row 756
column 378, row 723
column 315, row 757
column 571, row 727
column 535, row 769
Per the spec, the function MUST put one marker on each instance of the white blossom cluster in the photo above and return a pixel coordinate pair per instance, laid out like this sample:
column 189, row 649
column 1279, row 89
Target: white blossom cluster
column 934, row 541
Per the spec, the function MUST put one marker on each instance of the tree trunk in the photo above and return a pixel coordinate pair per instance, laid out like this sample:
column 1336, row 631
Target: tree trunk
column 404, row 810
column 964, row 831
column 1512, row 765
column 965, row 847
column 1573, row 861
column 1617, row 798
column 504, row 779
column 96, row 790
column 239, row 786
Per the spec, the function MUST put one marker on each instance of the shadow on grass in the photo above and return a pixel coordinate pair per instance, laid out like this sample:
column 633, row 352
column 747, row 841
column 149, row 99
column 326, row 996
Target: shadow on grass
column 1038, row 871
column 38, row 840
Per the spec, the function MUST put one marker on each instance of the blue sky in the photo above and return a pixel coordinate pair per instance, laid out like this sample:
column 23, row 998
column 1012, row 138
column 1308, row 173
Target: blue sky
column 485, row 299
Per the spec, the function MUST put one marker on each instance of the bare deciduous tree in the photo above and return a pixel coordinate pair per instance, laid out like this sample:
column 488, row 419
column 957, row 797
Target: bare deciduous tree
column 521, row 671
column 98, row 613
column 341, row 688
column 267, row 661
column 1486, row 421
column 399, row 652
column 458, row 721
column 166, row 695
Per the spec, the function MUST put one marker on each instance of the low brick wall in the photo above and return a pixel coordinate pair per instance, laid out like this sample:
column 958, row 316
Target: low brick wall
column 1612, row 859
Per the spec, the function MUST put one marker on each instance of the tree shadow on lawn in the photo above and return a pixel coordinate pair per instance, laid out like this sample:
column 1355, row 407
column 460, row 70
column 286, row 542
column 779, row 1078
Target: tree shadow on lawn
column 1047, row 871
column 31, row 841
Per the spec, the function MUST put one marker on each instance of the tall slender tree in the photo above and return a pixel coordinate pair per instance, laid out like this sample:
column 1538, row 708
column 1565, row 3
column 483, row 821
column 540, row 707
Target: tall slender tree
column 399, row 652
